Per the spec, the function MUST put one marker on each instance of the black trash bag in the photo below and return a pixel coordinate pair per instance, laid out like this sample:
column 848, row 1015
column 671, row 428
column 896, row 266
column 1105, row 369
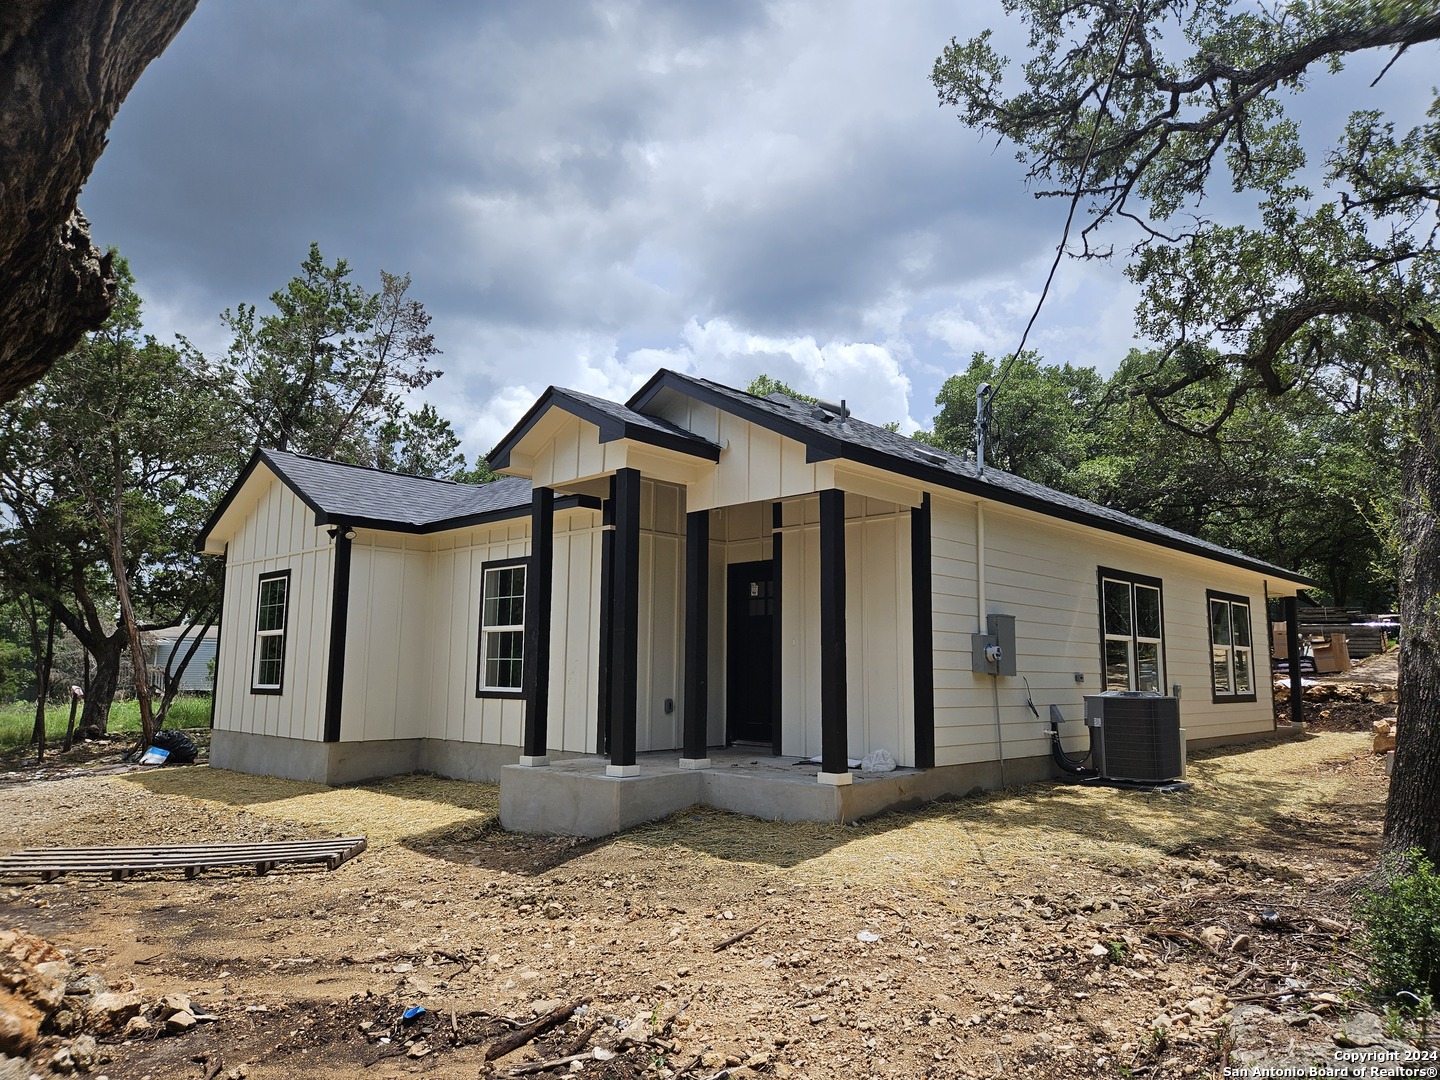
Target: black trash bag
column 181, row 746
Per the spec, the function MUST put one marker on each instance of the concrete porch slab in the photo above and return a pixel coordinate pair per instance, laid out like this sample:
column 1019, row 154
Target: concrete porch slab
column 576, row 798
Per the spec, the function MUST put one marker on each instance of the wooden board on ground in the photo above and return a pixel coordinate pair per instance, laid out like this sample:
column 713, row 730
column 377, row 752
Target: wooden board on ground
column 121, row 862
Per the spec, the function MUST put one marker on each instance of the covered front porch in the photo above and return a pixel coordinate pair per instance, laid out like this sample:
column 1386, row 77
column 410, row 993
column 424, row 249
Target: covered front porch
column 792, row 618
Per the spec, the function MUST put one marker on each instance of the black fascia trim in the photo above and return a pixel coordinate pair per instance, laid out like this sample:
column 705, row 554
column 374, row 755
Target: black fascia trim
column 260, row 455
column 499, row 458
column 484, row 517
column 828, row 447
column 611, row 428
column 271, row 691
column 226, row 500
column 1103, row 572
column 491, row 691
column 1232, row 598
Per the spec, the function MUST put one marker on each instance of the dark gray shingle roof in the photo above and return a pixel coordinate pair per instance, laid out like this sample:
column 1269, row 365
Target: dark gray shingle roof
column 828, row 435
column 376, row 499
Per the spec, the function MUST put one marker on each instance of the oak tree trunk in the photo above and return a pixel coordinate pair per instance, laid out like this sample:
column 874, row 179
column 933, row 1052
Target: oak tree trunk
column 101, row 691
column 65, row 67
column 1412, row 818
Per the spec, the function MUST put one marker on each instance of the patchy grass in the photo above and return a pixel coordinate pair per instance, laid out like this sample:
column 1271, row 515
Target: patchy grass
column 17, row 720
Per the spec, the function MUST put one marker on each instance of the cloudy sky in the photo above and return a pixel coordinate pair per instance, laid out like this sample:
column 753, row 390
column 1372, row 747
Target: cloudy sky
column 585, row 192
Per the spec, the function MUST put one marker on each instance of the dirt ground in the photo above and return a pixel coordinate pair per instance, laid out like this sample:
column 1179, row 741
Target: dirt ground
column 1053, row 931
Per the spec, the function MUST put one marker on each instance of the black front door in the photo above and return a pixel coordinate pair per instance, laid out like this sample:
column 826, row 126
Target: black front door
column 750, row 639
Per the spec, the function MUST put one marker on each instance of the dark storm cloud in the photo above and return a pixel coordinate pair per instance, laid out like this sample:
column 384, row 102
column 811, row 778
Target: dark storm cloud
column 583, row 191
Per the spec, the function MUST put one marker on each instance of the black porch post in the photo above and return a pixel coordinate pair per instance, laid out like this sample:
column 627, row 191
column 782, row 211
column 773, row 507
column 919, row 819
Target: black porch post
column 625, row 624
column 607, row 603
column 922, row 634
column 697, row 632
column 1292, row 648
column 535, row 677
column 834, row 722
column 339, row 625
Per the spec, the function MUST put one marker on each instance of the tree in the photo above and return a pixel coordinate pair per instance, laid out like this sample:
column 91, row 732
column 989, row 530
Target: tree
column 327, row 372
column 65, row 67
column 107, row 467
column 764, row 385
column 1042, row 428
column 1139, row 115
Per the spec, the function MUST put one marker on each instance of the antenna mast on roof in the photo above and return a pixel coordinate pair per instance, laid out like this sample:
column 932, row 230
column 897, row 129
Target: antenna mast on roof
column 983, row 397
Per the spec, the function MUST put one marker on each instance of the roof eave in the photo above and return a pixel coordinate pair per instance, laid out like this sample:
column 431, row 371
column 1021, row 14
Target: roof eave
column 822, row 447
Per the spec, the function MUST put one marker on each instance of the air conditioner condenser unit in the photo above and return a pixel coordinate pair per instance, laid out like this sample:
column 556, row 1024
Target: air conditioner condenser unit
column 1136, row 736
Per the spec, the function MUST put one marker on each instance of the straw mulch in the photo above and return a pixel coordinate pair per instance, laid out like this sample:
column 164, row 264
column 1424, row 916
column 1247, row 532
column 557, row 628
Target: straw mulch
column 389, row 811
column 1237, row 795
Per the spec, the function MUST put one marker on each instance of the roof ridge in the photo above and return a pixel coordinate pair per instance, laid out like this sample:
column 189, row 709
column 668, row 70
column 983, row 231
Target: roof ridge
column 364, row 468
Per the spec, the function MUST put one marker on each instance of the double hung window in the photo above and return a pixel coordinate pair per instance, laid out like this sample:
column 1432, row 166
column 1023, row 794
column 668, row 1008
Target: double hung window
column 1132, row 632
column 502, row 628
column 271, row 610
column 1232, row 656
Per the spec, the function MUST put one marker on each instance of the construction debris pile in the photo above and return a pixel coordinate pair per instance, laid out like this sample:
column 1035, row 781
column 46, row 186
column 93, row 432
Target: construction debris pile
column 54, row 1014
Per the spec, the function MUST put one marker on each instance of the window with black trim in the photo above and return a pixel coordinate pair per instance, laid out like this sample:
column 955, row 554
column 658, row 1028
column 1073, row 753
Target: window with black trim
column 1132, row 632
column 502, row 628
column 1232, row 654
column 272, row 611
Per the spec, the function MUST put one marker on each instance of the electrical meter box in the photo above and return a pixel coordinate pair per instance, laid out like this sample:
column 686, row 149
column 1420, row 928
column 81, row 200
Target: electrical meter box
column 993, row 652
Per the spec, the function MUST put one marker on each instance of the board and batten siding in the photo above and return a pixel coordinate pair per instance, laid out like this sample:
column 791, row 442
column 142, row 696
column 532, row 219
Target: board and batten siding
column 458, row 559
column 879, row 683
column 387, row 685
column 278, row 534
column 756, row 464
column 1044, row 573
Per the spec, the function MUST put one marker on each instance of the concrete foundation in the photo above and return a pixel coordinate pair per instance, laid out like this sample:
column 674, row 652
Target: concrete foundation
column 577, row 798
column 351, row 762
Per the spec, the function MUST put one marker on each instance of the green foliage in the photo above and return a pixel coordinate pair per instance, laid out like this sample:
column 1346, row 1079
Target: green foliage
column 17, row 719
column 1295, row 373
column 1257, row 483
column 1401, row 915
column 763, row 385
column 1043, row 424
column 328, row 372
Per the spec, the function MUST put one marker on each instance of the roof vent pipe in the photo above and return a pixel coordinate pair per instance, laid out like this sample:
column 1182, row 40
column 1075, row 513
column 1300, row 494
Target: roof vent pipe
column 982, row 424
column 841, row 410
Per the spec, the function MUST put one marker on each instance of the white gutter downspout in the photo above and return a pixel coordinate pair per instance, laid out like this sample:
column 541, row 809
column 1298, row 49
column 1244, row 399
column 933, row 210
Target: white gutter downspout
column 980, row 627
column 980, row 566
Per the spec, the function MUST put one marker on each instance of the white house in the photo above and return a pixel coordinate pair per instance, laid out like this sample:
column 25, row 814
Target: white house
column 703, row 568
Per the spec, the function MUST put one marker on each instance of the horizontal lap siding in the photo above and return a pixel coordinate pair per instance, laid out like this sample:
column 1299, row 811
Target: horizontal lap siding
column 1043, row 572
column 279, row 534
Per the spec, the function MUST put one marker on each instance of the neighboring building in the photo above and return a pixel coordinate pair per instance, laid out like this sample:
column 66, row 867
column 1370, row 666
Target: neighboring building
column 167, row 648
column 704, row 568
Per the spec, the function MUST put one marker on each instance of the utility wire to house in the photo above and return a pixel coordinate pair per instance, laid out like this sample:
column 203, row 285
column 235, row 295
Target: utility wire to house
column 982, row 406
